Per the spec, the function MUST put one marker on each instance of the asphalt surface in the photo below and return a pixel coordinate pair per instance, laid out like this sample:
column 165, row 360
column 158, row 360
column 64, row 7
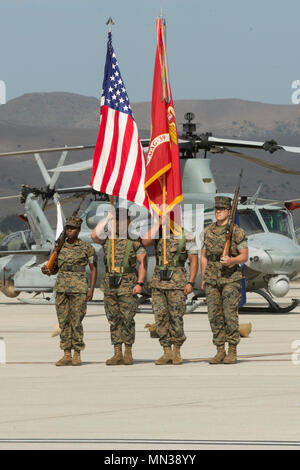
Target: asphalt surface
column 254, row 404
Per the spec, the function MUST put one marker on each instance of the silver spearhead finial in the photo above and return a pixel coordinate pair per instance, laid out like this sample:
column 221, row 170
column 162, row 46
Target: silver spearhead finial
column 110, row 22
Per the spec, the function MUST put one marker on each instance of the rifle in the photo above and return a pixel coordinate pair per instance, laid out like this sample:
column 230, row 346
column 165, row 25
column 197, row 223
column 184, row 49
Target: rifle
column 230, row 223
column 58, row 246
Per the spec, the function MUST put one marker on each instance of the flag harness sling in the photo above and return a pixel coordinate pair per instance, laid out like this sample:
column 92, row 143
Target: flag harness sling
column 115, row 276
column 165, row 272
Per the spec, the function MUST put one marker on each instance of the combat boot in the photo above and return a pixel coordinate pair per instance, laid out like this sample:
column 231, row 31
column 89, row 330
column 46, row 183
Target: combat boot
column 76, row 361
column 128, row 359
column 66, row 360
column 220, row 356
column 166, row 358
column 231, row 356
column 177, row 359
column 117, row 358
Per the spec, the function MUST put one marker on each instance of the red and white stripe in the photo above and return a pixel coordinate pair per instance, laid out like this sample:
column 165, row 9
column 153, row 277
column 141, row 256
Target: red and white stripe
column 119, row 163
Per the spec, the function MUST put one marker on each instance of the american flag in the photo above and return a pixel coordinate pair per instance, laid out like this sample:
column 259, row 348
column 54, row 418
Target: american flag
column 119, row 161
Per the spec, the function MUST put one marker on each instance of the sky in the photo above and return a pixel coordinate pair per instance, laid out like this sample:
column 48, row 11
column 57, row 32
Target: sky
column 216, row 48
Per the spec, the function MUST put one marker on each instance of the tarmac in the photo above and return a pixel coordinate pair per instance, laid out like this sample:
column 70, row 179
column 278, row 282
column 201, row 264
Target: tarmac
column 254, row 404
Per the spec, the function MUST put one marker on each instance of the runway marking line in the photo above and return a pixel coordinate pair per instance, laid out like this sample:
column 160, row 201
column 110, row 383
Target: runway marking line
column 154, row 441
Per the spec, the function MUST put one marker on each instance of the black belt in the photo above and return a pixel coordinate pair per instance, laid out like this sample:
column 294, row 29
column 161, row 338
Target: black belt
column 72, row 269
column 214, row 257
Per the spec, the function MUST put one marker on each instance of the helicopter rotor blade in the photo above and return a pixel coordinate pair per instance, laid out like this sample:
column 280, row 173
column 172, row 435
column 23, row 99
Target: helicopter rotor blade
column 56, row 173
column 50, row 181
column 272, row 202
column 43, row 169
column 53, row 181
column 291, row 149
column 270, row 146
column 49, row 150
column 260, row 162
column 80, row 166
column 66, row 200
column 10, row 197
column 75, row 189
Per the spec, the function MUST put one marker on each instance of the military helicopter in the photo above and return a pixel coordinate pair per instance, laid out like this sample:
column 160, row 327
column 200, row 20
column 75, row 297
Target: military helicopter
column 274, row 252
column 22, row 253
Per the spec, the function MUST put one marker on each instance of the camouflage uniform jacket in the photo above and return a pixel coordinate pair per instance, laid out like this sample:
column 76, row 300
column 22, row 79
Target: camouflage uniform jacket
column 128, row 278
column 179, row 277
column 71, row 263
column 214, row 242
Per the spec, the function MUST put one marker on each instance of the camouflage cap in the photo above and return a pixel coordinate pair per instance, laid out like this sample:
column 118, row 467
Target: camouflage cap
column 223, row 202
column 74, row 221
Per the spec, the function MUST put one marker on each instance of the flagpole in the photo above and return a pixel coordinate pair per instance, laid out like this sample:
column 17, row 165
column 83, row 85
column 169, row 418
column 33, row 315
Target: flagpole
column 110, row 24
column 111, row 198
column 164, row 226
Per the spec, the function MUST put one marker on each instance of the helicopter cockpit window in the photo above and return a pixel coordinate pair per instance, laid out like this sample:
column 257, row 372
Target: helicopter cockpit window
column 277, row 221
column 250, row 222
column 17, row 241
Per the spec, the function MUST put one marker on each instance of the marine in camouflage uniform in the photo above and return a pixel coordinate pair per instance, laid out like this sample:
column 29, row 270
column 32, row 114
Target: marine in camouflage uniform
column 72, row 291
column 169, row 296
column 121, row 287
column 223, row 282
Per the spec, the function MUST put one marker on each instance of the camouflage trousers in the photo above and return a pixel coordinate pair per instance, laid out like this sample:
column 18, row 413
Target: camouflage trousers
column 222, row 304
column 120, row 311
column 169, row 306
column 71, row 310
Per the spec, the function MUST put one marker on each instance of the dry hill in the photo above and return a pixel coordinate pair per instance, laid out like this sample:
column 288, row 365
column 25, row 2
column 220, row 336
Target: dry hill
column 42, row 120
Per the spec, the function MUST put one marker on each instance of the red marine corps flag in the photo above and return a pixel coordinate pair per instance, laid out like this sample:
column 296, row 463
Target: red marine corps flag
column 163, row 176
column 119, row 161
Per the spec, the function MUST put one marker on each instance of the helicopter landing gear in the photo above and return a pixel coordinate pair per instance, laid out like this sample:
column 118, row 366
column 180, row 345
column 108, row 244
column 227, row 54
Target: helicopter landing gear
column 273, row 306
column 39, row 301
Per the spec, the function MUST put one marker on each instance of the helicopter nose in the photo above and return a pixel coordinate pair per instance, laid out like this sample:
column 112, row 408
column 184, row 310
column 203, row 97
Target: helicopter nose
column 258, row 260
column 283, row 260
